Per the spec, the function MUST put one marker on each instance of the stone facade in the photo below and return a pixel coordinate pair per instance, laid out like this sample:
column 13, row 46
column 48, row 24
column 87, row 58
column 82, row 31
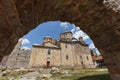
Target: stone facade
column 4, row 61
column 19, row 58
column 66, row 52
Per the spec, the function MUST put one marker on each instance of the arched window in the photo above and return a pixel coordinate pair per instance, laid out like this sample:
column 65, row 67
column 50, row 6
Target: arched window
column 67, row 57
column 49, row 51
column 66, row 45
column 18, row 54
column 80, row 56
column 87, row 57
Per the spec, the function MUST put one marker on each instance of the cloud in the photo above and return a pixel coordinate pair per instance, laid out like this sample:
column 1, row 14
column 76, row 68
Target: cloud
column 92, row 46
column 97, row 51
column 20, row 39
column 26, row 48
column 79, row 33
column 75, row 29
column 24, row 41
column 64, row 25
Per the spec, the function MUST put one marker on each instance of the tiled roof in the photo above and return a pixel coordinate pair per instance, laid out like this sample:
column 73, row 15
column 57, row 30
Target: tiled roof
column 97, row 58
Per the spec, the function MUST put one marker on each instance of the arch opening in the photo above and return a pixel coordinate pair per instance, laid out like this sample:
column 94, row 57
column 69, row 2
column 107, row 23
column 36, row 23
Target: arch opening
column 53, row 29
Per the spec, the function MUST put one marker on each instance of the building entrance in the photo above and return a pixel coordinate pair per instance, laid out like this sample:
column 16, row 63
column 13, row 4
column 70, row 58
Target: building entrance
column 48, row 64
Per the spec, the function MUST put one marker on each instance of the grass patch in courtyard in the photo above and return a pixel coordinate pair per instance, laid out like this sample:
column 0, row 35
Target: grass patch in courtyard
column 83, row 74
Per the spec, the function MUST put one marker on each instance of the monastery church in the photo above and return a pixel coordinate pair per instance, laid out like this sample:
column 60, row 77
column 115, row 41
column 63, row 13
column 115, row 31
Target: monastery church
column 66, row 52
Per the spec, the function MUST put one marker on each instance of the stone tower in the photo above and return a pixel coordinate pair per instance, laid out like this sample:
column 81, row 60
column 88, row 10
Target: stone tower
column 67, row 36
column 47, row 39
column 81, row 40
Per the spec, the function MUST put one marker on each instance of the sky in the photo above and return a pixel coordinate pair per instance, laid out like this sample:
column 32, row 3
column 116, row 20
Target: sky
column 53, row 29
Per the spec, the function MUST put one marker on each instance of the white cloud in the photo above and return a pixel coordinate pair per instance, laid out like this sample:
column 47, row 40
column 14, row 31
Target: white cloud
column 20, row 39
column 86, row 37
column 92, row 46
column 64, row 25
column 24, row 40
column 73, row 30
column 97, row 51
column 26, row 48
column 79, row 33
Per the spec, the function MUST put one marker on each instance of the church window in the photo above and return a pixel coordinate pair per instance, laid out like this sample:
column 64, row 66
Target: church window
column 25, row 57
column 80, row 56
column 49, row 51
column 66, row 45
column 87, row 58
column 18, row 54
column 67, row 57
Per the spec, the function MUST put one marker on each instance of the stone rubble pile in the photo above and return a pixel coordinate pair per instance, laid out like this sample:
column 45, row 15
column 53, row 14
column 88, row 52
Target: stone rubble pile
column 33, row 74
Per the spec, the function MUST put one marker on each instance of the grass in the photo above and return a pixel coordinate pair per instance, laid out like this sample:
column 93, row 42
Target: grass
column 95, row 77
column 78, row 74
column 83, row 74
column 9, row 76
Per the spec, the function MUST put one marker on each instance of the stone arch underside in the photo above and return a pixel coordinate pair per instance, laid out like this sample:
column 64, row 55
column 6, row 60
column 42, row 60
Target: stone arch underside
column 18, row 17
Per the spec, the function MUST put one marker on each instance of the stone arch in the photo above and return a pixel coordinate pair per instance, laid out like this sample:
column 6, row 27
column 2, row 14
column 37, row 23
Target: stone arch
column 18, row 17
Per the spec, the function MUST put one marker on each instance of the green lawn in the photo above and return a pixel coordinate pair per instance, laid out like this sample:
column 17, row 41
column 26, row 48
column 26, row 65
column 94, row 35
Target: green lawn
column 83, row 74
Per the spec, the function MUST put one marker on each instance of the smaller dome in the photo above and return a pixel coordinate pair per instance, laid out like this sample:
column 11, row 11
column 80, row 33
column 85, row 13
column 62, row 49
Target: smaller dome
column 74, row 39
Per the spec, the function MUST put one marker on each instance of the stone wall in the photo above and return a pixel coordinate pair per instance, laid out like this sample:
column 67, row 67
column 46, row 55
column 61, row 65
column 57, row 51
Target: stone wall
column 82, row 55
column 19, row 58
column 3, row 62
column 66, row 50
column 40, row 56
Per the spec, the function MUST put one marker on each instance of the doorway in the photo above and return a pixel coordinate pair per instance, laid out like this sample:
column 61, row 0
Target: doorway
column 82, row 64
column 48, row 64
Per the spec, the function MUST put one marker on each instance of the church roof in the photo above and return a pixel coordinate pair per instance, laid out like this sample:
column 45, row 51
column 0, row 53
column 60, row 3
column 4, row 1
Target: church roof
column 42, row 46
column 97, row 58
column 74, row 39
column 73, row 42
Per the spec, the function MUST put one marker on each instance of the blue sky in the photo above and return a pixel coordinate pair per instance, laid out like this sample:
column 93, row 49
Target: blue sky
column 53, row 29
